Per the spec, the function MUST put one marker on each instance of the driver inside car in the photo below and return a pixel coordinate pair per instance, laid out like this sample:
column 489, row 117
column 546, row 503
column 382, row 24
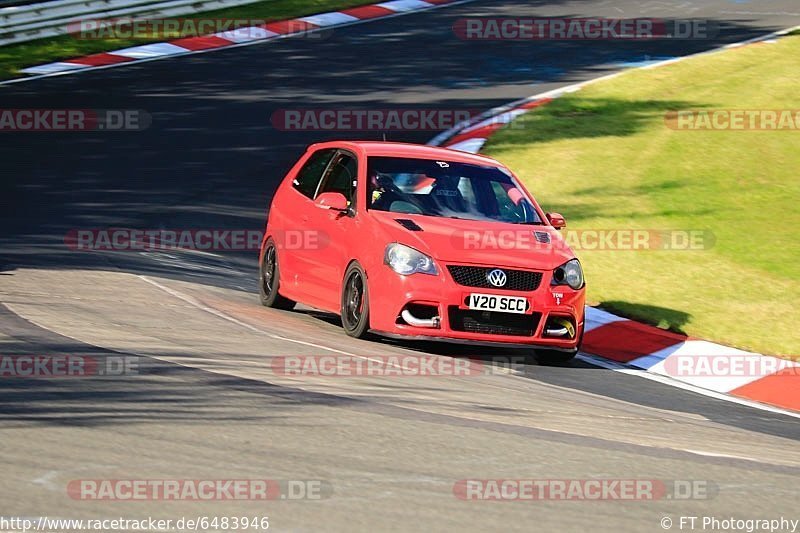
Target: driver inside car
column 383, row 192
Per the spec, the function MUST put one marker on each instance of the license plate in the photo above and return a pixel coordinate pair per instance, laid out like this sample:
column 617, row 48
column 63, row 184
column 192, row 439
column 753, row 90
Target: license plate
column 492, row 302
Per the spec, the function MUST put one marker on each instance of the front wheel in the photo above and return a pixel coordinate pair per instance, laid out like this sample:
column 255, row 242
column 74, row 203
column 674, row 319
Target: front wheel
column 268, row 280
column 355, row 302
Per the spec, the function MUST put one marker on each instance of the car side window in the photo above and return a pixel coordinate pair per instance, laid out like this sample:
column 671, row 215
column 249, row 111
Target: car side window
column 307, row 179
column 341, row 177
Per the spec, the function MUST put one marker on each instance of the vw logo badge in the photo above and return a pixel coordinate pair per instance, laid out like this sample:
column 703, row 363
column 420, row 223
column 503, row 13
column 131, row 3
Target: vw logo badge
column 496, row 277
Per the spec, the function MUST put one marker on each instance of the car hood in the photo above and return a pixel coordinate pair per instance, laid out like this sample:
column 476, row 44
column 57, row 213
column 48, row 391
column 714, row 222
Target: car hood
column 476, row 242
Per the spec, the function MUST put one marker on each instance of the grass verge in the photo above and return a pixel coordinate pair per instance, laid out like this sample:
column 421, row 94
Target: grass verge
column 14, row 57
column 605, row 158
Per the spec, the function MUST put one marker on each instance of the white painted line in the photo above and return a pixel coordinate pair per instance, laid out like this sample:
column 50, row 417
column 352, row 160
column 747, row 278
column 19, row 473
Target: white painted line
column 246, row 35
column 722, row 455
column 405, row 5
column 664, row 361
column 150, row 50
column 50, row 68
column 502, row 118
column 472, row 146
column 610, row 365
column 597, row 317
column 329, row 19
column 191, row 301
column 194, row 303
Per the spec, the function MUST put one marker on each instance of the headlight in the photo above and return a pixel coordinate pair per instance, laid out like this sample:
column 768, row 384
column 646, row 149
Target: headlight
column 406, row 260
column 570, row 273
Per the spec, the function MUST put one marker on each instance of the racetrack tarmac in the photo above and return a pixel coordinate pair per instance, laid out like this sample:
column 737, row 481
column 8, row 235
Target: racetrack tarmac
column 207, row 403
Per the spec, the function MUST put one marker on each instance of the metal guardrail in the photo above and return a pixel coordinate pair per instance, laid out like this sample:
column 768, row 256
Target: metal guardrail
column 27, row 21
column 5, row 3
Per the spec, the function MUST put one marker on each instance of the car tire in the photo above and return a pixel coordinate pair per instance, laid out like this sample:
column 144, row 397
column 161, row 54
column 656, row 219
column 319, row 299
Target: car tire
column 269, row 279
column 355, row 302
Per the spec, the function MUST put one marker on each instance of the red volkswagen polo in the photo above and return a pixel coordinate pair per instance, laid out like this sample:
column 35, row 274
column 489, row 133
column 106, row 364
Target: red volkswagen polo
column 413, row 241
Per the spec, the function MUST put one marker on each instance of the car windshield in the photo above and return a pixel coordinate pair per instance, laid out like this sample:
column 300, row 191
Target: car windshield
column 446, row 189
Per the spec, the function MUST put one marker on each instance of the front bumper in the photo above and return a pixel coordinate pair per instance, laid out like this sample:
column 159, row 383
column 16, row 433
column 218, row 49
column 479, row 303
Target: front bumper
column 391, row 293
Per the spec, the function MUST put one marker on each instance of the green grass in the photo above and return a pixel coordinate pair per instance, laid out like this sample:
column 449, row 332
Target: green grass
column 14, row 57
column 605, row 159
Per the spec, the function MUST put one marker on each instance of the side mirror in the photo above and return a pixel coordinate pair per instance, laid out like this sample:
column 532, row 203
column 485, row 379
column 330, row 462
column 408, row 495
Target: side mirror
column 331, row 200
column 556, row 220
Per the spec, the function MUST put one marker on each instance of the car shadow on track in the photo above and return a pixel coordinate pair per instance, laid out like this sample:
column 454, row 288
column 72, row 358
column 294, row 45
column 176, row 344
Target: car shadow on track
column 660, row 317
column 581, row 375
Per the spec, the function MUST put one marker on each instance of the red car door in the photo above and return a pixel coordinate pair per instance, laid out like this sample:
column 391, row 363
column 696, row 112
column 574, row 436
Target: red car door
column 292, row 229
column 327, row 261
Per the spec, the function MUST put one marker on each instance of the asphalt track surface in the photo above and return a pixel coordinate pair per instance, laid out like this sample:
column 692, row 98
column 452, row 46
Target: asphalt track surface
column 205, row 403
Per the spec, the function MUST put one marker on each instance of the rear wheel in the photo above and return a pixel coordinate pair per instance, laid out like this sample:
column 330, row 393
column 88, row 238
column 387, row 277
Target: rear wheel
column 269, row 280
column 355, row 302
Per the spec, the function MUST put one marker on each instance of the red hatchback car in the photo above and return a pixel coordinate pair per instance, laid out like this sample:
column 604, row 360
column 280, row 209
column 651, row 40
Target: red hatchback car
column 414, row 241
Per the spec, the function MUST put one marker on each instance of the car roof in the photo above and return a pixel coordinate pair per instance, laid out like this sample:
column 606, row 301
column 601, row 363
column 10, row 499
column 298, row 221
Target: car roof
column 421, row 151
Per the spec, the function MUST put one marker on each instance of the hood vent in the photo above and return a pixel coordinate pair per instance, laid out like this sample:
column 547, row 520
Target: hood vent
column 542, row 237
column 408, row 224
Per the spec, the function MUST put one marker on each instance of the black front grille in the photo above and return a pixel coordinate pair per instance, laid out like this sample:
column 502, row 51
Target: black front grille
column 516, row 280
column 492, row 322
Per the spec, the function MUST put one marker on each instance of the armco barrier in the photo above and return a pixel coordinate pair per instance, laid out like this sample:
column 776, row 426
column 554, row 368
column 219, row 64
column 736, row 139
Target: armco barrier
column 20, row 23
